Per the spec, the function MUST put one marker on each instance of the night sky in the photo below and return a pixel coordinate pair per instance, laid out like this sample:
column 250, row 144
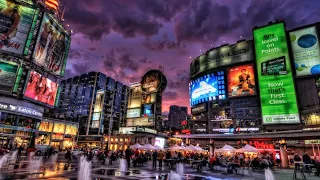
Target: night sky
column 126, row 38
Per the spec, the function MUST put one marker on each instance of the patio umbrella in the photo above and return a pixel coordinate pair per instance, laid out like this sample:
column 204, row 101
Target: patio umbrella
column 225, row 148
column 247, row 148
column 148, row 147
column 136, row 146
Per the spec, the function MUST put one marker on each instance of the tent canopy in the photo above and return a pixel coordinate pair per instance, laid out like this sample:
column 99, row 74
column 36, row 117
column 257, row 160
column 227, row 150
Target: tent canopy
column 225, row 148
column 158, row 147
column 247, row 148
column 190, row 148
column 148, row 147
column 136, row 146
column 175, row 147
column 199, row 148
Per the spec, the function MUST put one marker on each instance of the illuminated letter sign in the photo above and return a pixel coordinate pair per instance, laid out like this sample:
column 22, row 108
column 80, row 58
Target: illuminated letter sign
column 277, row 93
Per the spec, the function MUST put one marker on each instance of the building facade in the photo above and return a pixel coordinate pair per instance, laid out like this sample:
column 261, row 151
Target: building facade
column 97, row 102
column 176, row 115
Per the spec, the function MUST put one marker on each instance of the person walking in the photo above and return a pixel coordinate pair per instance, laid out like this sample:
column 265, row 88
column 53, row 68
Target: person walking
column 68, row 157
column 154, row 159
column 128, row 155
column 160, row 158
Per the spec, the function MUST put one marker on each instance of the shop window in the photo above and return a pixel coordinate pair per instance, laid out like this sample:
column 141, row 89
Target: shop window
column 126, row 140
column 111, row 139
column 121, row 139
column 43, row 139
column 7, row 119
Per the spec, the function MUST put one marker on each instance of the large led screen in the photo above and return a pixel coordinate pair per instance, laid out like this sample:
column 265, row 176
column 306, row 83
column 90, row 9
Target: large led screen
column 148, row 110
column 8, row 72
column 277, row 92
column 305, row 49
column 52, row 46
column 135, row 96
column 241, row 81
column 207, row 88
column 41, row 89
column 16, row 21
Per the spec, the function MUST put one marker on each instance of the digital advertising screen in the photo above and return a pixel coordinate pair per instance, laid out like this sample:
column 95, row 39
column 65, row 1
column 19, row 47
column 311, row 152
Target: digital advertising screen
column 305, row 50
column 71, row 130
column 8, row 74
column 59, row 128
column 148, row 110
column 207, row 88
column 277, row 92
column 15, row 24
column 41, row 89
column 52, row 46
column 132, row 113
column 135, row 97
column 159, row 142
column 241, row 81
column 148, row 98
column 151, row 81
column 46, row 126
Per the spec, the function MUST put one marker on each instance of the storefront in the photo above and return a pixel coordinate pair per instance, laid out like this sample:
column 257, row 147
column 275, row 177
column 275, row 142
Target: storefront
column 18, row 121
column 57, row 133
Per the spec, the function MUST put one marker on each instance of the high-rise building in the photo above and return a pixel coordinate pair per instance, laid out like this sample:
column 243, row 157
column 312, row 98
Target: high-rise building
column 176, row 115
column 97, row 102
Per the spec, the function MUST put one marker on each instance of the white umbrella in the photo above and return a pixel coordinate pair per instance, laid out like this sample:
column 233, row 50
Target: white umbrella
column 226, row 148
column 175, row 147
column 247, row 148
column 136, row 146
column 148, row 147
column 190, row 148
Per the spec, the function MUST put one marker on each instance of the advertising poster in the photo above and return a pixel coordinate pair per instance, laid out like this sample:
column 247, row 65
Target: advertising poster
column 305, row 49
column 142, row 121
column 277, row 92
column 52, row 45
column 15, row 24
column 207, row 88
column 8, row 72
column 222, row 56
column 41, row 89
column 241, row 81
column 135, row 97
column 46, row 126
column 151, row 82
column 59, row 128
column 72, row 130
column 148, row 98
column 132, row 113
column 148, row 110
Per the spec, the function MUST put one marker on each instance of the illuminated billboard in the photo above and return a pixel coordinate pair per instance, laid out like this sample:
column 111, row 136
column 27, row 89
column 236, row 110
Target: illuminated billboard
column 16, row 21
column 222, row 56
column 59, row 128
column 135, row 96
column 96, row 116
column 142, row 121
column 52, row 46
column 46, row 126
column 277, row 92
column 305, row 49
column 159, row 142
column 71, row 130
column 8, row 74
column 148, row 110
column 148, row 98
column 241, row 81
column 41, row 89
column 132, row 113
column 153, row 82
column 208, row 87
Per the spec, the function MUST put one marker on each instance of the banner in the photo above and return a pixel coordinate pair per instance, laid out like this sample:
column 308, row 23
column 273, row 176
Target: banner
column 305, row 49
column 52, row 45
column 15, row 24
column 41, row 89
column 8, row 73
column 222, row 56
column 132, row 113
column 241, row 81
column 277, row 92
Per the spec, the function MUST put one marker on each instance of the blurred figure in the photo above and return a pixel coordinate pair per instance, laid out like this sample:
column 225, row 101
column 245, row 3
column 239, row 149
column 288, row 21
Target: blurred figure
column 68, row 157
column 128, row 155
column 154, row 159
column 160, row 158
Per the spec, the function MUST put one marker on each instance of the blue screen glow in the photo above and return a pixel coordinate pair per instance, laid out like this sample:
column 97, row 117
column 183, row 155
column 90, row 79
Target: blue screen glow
column 207, row 88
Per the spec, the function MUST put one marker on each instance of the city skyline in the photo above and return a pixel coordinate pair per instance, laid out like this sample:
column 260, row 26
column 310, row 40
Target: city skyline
column 125, row 39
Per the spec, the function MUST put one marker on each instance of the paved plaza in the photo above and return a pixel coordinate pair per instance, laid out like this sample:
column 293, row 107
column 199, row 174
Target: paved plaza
column 59, row 170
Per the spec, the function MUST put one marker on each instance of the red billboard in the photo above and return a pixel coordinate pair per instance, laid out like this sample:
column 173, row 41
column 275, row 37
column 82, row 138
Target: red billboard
column 41, row 89
column 241, row 81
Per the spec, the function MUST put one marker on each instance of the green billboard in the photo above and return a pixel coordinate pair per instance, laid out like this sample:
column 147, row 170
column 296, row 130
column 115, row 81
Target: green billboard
column 277, row 92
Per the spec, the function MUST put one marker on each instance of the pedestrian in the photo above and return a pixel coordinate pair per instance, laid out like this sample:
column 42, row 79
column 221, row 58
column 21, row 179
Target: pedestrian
column 160, row 158
column 68, row 157
column 154, row 159
column 128, row 155
column 90, row 156
column 20, row 149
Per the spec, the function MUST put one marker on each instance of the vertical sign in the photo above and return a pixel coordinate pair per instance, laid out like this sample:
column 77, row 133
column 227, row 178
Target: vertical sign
column 277, row 93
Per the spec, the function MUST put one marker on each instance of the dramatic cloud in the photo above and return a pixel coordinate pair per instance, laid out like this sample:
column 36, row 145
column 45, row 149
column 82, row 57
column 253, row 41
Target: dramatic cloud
column 126, row 38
